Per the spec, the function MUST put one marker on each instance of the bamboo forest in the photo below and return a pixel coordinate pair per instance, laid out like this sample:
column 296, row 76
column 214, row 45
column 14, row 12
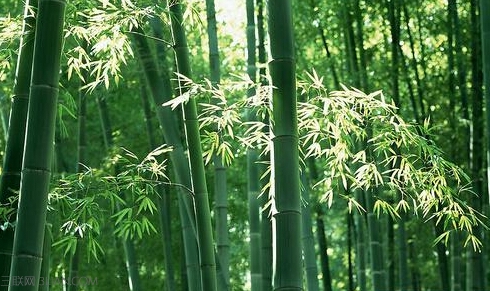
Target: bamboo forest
column 222, row 145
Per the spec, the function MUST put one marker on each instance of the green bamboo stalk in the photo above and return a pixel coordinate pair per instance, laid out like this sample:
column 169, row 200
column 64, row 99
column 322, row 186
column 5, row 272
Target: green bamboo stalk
column 456, row 262
column 221, row 208
column 390, row 248
column 12, row 163
column 253, row 216
column 402, row 253
column 45, row 266
column 476, row 279
column 462, row 79
column 164, row 197
column 307, row 236
column 360, row 238
column 252, row 158
column 394, row 19
column 286, row 216
column 416, row 284
column 414, row 64
column 350, row 41
column 363, row 76
column 132, row 265
column 375, row 245
column 321, row 32
column 193, row 138
column 3, row 116
column 485, row 37
column 265, row 221
column 161, row 92
column 265, row 237
column 81, row 161
column 442, row 259
column 323, row 246
column 408, row 81
column 36, row 166
column 130, row 259
column 349, row 250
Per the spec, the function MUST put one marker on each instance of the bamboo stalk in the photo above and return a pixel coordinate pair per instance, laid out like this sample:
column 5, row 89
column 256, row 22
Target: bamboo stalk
column 12, row 163
column 286, row 216
column 38, row 154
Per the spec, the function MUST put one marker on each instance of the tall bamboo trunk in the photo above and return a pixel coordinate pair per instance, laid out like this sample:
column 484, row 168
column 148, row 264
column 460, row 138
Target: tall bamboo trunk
column 321, row 32
column 476, row 279
column 414, row 64
column 350, row 42
column 221, row 195
column 390, row 249
column 130, row 260
column 350, row 268
column 199, row 187
column 485, row 36
column 375, row 245
column 307, row 236
column 164, row 207
column 36, row 165
column 46, row 264
column 265, row 221
column 254, row 222
column 462, row 76
column 252, row 159
column 12, row 163
column 161, row 92
column 442, row 259
column 360, row 239
column 394, row 19
column 286, row 216
column 323, row 246
column 363, row 76
column 81, row 161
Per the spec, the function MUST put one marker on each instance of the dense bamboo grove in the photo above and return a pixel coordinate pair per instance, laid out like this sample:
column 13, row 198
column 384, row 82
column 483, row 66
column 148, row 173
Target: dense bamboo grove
column 244, row 145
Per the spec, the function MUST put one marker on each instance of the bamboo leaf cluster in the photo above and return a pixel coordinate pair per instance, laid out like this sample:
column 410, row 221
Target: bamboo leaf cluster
column 99, row 194
column 332, row 125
